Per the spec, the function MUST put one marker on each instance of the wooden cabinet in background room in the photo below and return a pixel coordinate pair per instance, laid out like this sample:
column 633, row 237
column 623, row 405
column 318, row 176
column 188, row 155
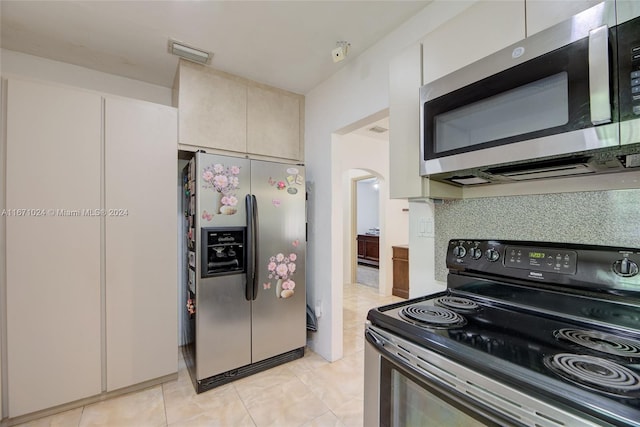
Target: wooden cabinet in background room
column 368, row 250
column 400, row 271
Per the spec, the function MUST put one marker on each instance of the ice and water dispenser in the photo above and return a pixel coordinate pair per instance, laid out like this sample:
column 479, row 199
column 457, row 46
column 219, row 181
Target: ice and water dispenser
column 223, row 251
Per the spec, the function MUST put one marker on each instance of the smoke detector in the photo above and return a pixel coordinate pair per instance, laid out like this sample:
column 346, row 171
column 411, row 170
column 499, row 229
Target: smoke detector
column 341, row 51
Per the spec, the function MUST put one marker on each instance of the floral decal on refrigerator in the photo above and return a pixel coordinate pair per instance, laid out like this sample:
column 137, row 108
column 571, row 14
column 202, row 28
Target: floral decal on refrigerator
column 224, row 181
column 281, row 267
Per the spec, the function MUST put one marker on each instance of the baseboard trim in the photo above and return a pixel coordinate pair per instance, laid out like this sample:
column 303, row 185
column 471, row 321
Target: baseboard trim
column 8, row 422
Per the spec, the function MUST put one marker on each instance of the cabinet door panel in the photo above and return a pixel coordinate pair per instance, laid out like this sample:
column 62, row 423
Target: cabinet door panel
column 141, row 241
column 273, row 124
column 53, row 261
column 542, row 14
column 480, row 30
column 405, row 78
column 213, row 109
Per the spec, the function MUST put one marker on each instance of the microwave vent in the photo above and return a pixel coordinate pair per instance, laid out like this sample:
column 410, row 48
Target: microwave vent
column 631, row 160
column 469, row 180
column 551, row 172
column 545, row 169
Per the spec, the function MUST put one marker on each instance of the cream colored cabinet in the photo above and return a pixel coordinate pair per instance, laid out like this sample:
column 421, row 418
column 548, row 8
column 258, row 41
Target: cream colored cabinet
column 141, row 243
column 274, row 123
column 91, row 258
column 482, row 29
column 226, row 114
column 542, row 14
column 213, row 109
column 53, row 253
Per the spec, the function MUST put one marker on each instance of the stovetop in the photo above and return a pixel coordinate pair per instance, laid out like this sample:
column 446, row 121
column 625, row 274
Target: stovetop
column 577, row 342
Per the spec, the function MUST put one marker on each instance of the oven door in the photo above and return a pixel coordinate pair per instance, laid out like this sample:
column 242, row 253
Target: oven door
column 551, row 94
column 396, row 397
column 409, row 385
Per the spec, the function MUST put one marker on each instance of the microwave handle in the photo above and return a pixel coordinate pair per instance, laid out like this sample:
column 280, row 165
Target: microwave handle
column 599, row 76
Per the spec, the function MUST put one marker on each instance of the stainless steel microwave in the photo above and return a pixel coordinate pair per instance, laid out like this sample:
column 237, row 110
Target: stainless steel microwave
column 564, row 101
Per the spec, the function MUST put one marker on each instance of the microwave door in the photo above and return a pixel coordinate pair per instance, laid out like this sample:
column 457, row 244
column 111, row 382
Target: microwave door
column 629, row 82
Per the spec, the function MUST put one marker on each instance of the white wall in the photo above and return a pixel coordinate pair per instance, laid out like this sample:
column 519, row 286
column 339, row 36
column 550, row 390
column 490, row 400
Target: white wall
column 348, row 161
column 358, row 90
column 34, row 67
column 3, row 240
column 422, row 250
column 367, row 202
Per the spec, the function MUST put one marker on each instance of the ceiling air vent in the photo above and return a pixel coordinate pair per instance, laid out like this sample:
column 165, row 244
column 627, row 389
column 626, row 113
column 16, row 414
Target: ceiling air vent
column 189, row 52
column 378, row 129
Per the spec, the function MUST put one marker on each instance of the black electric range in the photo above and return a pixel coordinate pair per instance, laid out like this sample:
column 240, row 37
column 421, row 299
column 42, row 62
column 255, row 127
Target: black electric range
column 560, row 322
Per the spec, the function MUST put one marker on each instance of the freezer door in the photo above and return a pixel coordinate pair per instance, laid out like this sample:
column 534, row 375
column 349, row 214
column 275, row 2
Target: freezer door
column 223, row 325
column 279, row 307
column 222, row 183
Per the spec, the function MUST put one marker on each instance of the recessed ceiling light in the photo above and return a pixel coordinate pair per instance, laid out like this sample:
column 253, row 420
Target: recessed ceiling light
column 190, row 53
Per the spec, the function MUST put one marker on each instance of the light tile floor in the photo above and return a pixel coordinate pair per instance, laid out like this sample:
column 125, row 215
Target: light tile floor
column 308, row 392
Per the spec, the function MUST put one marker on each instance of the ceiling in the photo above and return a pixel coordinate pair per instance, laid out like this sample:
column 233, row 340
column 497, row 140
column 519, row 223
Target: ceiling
column 286, row 44
column 376, row 130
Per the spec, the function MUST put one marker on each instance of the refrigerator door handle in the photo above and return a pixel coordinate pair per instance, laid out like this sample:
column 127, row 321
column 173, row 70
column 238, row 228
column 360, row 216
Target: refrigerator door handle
column 249, row 282
column 254, row 251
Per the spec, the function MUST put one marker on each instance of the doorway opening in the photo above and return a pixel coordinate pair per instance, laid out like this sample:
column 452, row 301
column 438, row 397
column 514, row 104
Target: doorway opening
column 366, row 215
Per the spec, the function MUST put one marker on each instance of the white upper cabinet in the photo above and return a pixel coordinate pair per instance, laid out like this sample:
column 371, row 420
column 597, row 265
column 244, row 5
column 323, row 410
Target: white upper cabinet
column 405, row 76
column 482, row 29
column 627, row 9
column 231, row 115
column 542, row 14
column 478, row 31
column 405, row 73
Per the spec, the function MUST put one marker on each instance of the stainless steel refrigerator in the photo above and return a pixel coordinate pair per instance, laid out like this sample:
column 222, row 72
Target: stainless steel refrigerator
column 245, row 239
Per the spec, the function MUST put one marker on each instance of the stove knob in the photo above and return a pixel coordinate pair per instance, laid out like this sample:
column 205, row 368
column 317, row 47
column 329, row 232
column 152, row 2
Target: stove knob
column 492, row 254
column 625, row 268
column 459, row 251
column 476, row 253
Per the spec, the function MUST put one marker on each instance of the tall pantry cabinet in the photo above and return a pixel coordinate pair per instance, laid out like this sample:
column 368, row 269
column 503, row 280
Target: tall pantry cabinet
column 91, row 250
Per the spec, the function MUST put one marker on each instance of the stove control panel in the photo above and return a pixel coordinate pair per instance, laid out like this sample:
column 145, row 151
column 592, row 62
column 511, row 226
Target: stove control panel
column 543, row 259
column 598, row 267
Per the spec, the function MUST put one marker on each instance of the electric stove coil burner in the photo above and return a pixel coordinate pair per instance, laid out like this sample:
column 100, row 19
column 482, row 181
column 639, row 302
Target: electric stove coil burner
column 457, row 303
column 597, row 374
column 432, row 316
column 601, row 342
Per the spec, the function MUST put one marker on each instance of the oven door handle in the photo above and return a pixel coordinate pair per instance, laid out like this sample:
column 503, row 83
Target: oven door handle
column 599, row 98
column 373, row 340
